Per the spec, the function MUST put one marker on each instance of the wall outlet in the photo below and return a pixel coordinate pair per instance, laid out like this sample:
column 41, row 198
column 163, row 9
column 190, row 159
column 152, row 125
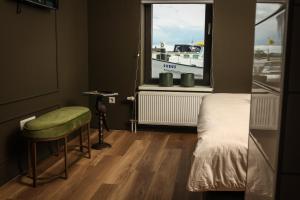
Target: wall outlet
column 23, row 122
column 111, row 99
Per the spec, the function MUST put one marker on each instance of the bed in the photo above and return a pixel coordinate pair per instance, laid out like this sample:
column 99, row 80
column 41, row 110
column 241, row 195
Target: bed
column 219, row 160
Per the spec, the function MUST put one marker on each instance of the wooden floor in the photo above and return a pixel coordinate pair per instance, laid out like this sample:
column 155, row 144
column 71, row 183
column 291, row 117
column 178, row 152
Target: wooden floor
column 139, row 166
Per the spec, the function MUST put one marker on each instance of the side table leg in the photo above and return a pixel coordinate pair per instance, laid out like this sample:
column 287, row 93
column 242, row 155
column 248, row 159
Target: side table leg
column 100, row 107
column 101, row 137
column 101, row 144
column 104, row 122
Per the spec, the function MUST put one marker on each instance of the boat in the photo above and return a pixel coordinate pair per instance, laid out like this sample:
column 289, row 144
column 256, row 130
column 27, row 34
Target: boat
column 184, row 58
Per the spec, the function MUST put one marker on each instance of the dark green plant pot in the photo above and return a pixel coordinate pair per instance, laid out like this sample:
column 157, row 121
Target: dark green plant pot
column 165, row 79
column 187, row 80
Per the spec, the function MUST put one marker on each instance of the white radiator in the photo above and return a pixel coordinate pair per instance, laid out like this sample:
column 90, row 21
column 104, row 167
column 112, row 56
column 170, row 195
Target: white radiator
column 169, row 108
column 264, row 112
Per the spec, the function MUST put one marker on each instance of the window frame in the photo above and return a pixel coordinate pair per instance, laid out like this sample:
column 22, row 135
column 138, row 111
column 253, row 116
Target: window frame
column 148, row 30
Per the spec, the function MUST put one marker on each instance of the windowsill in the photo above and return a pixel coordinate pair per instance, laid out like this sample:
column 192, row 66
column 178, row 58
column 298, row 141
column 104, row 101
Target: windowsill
column 175, row 88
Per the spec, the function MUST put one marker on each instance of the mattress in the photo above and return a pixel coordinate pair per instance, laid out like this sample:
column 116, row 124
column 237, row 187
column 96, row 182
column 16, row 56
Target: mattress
column 219, row 161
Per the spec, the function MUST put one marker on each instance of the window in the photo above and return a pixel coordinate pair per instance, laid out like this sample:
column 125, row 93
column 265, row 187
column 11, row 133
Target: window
column 268, row 47
column 178, row 40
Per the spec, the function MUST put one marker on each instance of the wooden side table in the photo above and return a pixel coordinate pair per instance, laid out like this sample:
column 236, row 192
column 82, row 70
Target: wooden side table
column 101, row 116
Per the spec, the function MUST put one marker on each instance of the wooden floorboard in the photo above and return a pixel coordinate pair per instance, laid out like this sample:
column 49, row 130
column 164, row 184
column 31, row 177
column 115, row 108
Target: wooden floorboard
column 143, row 165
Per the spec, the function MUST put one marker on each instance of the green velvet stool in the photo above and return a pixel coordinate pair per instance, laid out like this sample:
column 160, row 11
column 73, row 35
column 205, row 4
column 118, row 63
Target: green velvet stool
column 54, row 126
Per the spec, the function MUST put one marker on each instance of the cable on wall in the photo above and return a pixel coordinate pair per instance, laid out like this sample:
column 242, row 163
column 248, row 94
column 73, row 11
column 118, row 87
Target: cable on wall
column 135, row 86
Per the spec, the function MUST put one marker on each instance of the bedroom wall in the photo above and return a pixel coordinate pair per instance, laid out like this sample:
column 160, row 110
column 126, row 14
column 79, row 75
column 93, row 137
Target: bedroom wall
column 232, row 51
column 113, row 44
column 113, row 41
column 40, row 70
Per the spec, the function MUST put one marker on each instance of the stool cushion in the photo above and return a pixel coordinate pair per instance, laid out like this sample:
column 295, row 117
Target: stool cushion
column 57, row 123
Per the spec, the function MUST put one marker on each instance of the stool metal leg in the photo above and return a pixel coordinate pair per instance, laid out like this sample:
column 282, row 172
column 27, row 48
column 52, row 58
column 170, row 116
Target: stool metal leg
column 89, row 140
column 29, row 158
column 81, row 139
column 33, row 160
column 66, row 156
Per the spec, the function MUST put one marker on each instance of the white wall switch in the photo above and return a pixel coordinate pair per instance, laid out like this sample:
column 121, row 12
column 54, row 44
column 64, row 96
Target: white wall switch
column 22, row 122
column 112, row 99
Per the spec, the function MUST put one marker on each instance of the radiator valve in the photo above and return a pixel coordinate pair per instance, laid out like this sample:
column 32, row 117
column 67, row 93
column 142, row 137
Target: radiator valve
column 131, row 98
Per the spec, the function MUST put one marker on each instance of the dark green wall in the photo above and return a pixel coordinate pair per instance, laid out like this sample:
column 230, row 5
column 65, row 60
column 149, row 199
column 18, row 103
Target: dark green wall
column 232, row 47
column 95, row 48
column 44, row 65
column 113, row 44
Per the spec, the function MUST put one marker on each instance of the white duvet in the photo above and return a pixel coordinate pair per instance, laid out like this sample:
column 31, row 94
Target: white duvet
column 220, row 159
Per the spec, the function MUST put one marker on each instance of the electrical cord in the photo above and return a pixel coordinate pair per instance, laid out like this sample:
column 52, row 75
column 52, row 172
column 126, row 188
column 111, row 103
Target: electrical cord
column 134, row 113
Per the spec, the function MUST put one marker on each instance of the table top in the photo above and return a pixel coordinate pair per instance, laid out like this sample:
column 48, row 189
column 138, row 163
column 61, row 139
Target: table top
column 101, row 93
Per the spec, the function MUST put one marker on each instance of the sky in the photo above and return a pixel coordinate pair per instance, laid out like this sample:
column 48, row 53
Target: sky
column 178, row 23
column 270, row 29
column 263, row 10
column 185, row 24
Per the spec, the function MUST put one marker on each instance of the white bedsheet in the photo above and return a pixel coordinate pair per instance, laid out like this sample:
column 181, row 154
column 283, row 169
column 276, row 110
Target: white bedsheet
column 220, row 159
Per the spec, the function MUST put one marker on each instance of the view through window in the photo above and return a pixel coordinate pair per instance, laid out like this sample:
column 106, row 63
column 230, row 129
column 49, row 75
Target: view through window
column 178, row 33
column 268, row 47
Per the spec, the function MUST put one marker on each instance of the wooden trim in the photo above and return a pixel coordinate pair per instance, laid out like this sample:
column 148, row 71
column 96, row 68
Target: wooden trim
column 29, row 97
column 26, row 114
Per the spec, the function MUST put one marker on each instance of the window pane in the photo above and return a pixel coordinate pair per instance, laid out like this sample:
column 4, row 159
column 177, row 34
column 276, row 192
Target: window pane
column 268, row 48
column 178, row 32
column 264, row 10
